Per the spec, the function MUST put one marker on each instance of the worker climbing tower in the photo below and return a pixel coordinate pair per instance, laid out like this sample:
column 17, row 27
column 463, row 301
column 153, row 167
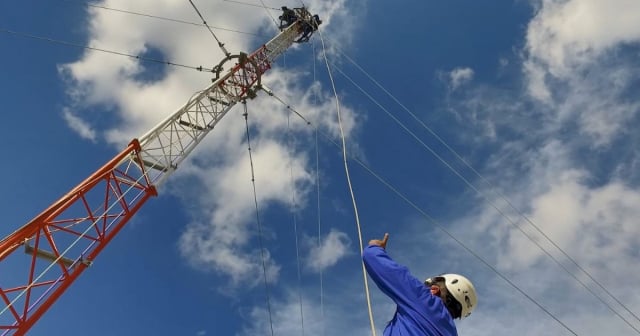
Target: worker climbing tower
column 43, row 258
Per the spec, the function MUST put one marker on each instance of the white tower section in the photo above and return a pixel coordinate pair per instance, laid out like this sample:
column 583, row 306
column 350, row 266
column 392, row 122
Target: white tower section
column 166, row 145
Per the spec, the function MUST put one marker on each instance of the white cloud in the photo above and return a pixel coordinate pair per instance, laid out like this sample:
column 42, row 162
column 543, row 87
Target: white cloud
column 574, row 63
column 537, row 86
column 332, row 248
column 227, row 199
column 79, row 126
column 242, row 266
column 460, row 76
column 566, row 34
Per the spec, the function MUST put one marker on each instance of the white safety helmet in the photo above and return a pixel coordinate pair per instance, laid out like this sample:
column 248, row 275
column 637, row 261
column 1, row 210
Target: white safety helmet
column 461, row 289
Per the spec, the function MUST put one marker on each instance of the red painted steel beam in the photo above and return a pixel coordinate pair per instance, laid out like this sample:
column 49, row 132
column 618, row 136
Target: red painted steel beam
column 109, row 198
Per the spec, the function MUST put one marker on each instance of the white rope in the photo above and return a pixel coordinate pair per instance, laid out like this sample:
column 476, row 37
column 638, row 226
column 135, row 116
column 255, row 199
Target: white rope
column 346, row 168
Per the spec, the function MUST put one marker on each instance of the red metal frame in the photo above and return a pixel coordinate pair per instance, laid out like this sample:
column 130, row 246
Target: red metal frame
column 83, row 221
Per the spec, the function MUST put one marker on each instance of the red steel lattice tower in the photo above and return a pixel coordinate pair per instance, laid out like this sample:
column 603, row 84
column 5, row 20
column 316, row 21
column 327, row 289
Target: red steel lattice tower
column 65, row 239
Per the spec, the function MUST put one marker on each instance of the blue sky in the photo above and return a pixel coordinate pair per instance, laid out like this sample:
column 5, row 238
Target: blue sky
column 539, row 97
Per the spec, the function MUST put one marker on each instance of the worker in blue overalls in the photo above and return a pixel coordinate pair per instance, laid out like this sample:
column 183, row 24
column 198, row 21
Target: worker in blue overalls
column 424, row 308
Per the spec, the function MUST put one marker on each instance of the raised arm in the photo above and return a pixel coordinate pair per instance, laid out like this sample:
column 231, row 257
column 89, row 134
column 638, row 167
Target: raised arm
column 393, row 279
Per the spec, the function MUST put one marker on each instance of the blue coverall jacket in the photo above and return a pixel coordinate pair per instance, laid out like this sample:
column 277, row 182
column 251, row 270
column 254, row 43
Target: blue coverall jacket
column 418, row 312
